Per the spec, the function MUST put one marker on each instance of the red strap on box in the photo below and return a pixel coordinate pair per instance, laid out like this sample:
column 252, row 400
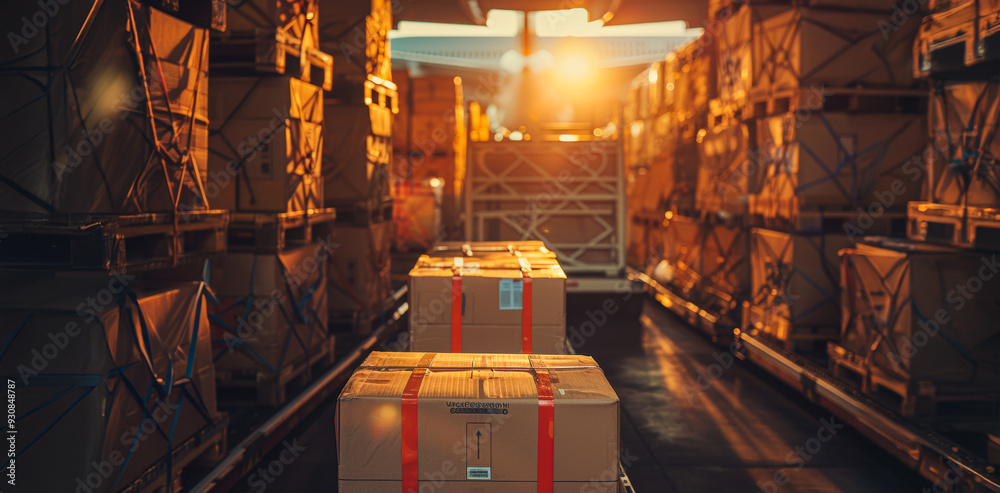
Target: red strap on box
column 526, row 312
column 546, row 426
column 408, row 424
column 456, row 313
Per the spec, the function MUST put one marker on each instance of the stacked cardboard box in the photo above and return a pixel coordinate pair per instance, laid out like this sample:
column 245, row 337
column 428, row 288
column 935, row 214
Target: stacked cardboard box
column 417, row 214
column 108, row 390
column 497, row 302
column 487, row 422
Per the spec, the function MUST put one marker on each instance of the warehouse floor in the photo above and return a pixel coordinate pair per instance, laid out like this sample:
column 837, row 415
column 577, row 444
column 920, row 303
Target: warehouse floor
column 737, row 432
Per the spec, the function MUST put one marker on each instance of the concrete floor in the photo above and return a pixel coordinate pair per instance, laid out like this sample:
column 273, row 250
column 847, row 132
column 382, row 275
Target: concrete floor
column 732, row 430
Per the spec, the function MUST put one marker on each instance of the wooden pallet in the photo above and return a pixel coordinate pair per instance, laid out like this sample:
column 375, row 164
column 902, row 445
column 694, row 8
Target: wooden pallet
column 362, row 213
column 261, row 232
column 207, row 448
column 270, row 52
column 113, row 243
column 269, row 388
column 805, row 101
column 982, row 227
column 936, row 223
column 907, row 397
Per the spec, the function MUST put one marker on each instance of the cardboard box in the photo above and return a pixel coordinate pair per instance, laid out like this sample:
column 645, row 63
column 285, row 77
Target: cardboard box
column 357, row 154
column 479, row 419
column 273, row 308
column 837, row 160
column 86, row 384
column 266, row 144
column 794, row 280
column 416, row 210
column 360, row 268
column 492, row 314
column 299, row 18
column 964, row 121
column 894, row 315
column 82, row 142
column 357, row 35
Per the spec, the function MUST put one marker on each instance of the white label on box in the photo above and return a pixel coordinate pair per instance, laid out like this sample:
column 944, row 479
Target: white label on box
column 510, row 294
column 482, row 473
column 470, row 268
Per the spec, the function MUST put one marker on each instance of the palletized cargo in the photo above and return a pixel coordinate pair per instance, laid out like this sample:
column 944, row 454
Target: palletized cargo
column 794, row 287
column 729, row 169
column 108, row 388
column 357, row 152
column 270, row 323
column 680, row 242
column 956, row 37
column 266, row 144
column 725, row 269
column 357, row 35
column 836, row 161
column 416, row 214
column 121, row 128
column 488, row 305
column 495, row 423
column 360, row 275
column 915, row 317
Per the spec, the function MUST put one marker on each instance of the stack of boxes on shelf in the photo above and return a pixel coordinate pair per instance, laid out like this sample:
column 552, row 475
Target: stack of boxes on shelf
column 104, row 181
column 429, row 153
column 270, row 318
column 810, row 122
column 357, row 152
column 484, row 403
column 916, row 316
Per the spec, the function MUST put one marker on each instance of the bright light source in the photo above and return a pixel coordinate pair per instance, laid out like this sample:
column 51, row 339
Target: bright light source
column 668, row 214
column 498, row 137
column 435, row 182
column 569, row 138
column 458, row 81
column 575, row 67
column 653, row 76
column 516, row 136
column 670, row 86
column 636, row 129
column 598, row 132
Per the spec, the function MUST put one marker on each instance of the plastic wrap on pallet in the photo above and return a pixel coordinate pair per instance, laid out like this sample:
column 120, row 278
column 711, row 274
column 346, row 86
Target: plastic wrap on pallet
column 357, row 35
column 836, row 160
column 360, row 268
column 909, row 310
column 794, row 285
column 812, row 48
column 272, row 309
column 108, row 380
column 358, row 151
column 417, row 214
column 105, row 111
column 266, row 144
column 965, row 148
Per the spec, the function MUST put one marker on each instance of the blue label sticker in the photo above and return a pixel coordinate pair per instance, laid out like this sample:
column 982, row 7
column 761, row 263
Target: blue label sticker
column 510, row 294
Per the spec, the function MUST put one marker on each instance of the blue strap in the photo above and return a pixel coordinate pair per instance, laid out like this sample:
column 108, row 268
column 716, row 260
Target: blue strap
column 15, row 333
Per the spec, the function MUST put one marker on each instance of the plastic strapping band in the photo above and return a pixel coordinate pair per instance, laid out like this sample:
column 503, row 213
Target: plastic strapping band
column 408, row 425
column 526, row 311
column 546, row 425
column 456, row 307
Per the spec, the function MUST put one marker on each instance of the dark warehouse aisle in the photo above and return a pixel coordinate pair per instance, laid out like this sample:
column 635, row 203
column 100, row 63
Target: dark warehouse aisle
column 682, row 430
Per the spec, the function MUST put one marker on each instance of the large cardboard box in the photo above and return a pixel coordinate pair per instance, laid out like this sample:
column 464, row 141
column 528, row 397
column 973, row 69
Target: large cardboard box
column 903, row 313
column 477, row 422
column 360, row 267
column 357, row 154
column 272, row 308
column 837, row 161
column 728, row 169
column 963, row 166
column 266, row 144
column 103, row 134
column 104, row 369
column 794, row 284
column 357, row 35
column 485, row 302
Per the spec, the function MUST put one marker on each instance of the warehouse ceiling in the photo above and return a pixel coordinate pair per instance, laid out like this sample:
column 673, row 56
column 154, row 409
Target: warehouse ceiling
column 613, row 12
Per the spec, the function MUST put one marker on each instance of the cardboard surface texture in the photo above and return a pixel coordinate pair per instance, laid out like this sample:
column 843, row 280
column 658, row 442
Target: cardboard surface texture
column 266, row 143
column 473, row 422
column 492, row 304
